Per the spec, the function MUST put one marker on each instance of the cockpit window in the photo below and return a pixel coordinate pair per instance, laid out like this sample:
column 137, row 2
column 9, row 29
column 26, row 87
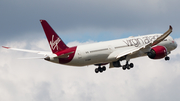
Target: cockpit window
column 165, row 39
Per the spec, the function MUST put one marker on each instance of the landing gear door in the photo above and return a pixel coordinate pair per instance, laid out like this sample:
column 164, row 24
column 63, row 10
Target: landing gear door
column 115, row 64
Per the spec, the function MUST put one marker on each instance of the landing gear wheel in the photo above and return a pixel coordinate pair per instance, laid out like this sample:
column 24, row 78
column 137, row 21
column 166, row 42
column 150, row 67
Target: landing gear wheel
column 96, row 70
column 104, row 68
column 128, row 67
column 167, row 58
column 131, row 65
column 100, row 69
column 124, row 67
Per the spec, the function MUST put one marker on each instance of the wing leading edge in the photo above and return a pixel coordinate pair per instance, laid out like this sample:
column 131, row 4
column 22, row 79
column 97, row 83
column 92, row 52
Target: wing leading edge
column 147, row 46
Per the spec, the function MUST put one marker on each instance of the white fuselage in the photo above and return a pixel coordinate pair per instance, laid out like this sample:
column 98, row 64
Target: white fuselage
column 106, row 52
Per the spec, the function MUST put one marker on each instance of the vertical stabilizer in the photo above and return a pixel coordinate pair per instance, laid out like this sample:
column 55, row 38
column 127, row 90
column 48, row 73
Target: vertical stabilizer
column 55, row 42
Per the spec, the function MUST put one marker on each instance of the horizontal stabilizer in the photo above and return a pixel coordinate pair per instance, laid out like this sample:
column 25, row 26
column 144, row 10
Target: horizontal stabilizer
column 32, row 58
column 30, row 51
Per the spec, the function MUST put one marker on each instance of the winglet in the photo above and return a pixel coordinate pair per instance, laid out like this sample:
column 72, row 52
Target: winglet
column 170, row 27
column 6, row 47
column 162, row 37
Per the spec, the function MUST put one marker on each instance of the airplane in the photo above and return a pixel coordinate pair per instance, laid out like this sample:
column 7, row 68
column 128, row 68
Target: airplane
column 155, row 46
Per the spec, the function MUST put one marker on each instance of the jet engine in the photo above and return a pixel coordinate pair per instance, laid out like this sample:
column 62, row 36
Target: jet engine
column 157, row 52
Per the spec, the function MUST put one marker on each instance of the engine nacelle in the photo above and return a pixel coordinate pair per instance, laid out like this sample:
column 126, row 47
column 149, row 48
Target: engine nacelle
column 157, row 52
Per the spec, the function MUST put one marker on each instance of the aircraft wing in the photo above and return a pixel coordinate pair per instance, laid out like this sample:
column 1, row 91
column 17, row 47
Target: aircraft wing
column 131, row 51
column 147, row 46
column 30, row 51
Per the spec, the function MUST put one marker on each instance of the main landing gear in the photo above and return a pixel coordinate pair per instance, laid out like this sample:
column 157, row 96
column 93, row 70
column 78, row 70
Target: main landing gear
column 127, row 66
column 117, row 64
column 100, row 69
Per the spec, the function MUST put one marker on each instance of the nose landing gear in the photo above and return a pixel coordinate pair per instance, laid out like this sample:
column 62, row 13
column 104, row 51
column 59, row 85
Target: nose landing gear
column 167, row 58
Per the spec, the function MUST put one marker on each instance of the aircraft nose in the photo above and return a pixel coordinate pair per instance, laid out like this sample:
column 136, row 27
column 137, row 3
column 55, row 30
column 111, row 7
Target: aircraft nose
column 175, row 44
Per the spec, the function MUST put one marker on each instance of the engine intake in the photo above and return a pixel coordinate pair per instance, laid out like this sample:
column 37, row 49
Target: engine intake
column 157, row 52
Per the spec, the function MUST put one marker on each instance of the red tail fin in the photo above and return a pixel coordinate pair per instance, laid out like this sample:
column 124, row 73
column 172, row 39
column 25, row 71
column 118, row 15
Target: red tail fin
column 55, row 42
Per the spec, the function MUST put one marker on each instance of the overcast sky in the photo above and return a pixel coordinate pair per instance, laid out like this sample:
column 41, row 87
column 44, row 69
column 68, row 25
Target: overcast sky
column 98, row 20
column 79, row 22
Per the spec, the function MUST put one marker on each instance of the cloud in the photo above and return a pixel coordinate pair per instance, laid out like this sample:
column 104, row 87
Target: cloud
column 41, row 80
